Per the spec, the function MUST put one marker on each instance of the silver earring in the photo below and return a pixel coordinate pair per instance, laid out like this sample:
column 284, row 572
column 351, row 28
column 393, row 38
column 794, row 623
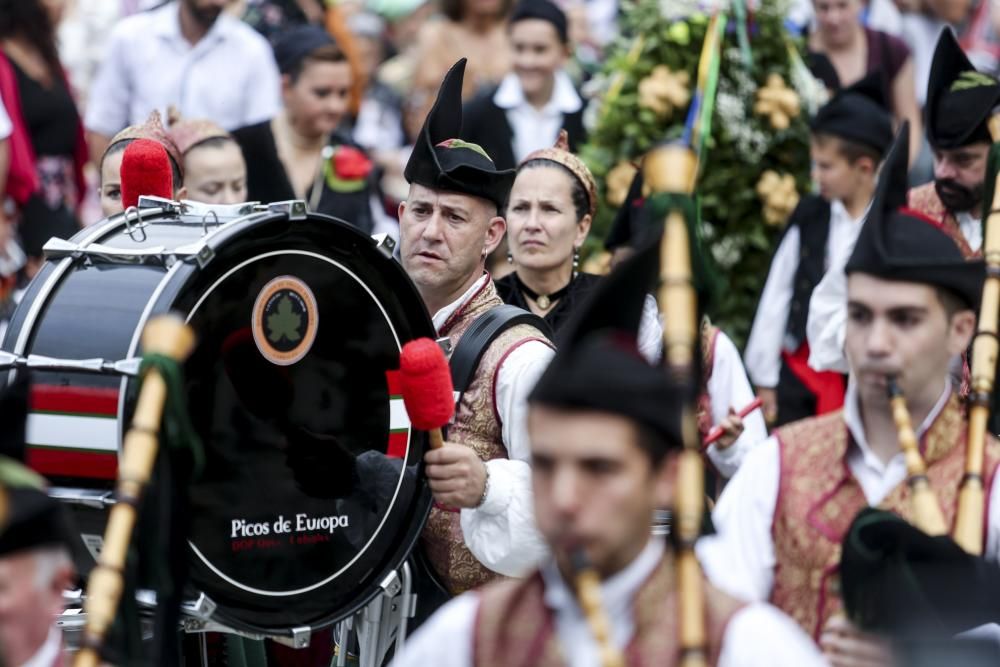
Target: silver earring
column 510, row 257
column 576, row 259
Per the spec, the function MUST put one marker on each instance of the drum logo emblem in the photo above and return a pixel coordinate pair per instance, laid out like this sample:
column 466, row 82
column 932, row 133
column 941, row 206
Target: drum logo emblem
column 285, row 318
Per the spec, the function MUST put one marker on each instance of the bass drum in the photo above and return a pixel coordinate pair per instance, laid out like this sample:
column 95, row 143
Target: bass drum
column 312, row 492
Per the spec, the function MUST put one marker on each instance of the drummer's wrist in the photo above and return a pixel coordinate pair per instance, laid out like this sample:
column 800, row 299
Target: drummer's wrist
column 486, row 485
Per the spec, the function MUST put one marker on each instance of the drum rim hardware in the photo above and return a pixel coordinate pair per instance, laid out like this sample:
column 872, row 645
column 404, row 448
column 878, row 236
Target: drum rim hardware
column 200, row 252
column 124, row 367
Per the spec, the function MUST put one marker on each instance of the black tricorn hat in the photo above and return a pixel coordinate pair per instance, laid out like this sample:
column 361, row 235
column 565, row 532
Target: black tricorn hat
column 598, row 366
column 442, row 161
column 858, row 113
column 960, row 100
column 900, row 244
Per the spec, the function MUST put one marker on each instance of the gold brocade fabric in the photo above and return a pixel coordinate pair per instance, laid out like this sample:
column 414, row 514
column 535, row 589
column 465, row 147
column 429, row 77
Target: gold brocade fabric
column 514, row 628
column 818, row 498
column 476, row 424
column 925, row 200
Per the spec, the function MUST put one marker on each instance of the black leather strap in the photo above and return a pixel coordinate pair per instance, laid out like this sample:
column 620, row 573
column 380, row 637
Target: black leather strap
column 473, row 344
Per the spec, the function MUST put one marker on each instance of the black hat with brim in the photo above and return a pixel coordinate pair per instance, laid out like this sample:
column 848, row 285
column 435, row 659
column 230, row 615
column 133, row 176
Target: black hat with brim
column 900, row 244
column 960, row 100
column 442, row 161
column 857, row 114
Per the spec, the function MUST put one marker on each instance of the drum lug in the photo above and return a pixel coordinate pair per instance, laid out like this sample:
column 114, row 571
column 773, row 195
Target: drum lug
column 445, row 345
column 295, row 208
column 385, row 244
column 168, row 205
column 299, row 639
column 301, row 636
column 201, row 609
column 201, row 253
column 391, row 585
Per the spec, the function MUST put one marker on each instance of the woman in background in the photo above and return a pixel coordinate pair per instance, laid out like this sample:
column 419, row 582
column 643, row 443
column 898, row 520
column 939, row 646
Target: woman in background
column 41, row 178
column 299, row 154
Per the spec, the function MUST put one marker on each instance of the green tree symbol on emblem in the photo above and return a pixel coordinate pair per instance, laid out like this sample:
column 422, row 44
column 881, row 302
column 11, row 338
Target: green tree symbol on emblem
column 284, row 322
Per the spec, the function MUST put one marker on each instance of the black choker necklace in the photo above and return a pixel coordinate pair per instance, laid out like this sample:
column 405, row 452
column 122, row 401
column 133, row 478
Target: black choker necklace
column 543, row 300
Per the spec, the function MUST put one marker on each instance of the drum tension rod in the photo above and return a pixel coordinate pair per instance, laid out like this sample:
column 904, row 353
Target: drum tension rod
column 130, row 367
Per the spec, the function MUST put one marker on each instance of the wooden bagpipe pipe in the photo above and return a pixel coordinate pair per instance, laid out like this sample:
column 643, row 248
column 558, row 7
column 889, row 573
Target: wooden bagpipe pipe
column 167, row 336
column 970, row 514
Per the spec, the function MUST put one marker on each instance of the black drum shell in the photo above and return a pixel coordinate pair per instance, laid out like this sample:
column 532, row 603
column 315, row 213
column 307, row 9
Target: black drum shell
column 347, row 332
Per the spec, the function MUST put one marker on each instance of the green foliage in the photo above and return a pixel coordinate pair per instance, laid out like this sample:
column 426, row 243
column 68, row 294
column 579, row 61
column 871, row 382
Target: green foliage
column 742, row 146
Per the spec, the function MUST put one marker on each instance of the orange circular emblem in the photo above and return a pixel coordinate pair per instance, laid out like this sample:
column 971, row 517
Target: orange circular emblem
column 285, row 319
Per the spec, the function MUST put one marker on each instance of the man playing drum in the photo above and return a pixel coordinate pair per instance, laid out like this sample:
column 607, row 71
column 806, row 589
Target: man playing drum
column 449, row 224
column 605, row 430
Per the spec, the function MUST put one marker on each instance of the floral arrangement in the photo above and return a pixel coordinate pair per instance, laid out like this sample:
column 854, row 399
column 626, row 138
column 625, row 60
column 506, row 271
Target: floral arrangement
column 755, row 161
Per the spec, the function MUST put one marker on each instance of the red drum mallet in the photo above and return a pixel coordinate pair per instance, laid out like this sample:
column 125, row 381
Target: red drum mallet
column 428, row 394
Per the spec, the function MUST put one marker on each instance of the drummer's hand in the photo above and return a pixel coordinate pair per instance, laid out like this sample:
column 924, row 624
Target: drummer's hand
column 456, row 474
column 732, row 429
column 844, row 645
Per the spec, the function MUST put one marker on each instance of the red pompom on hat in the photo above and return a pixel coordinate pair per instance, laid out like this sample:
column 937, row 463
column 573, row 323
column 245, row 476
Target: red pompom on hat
column 145, row 171
column 425, row 380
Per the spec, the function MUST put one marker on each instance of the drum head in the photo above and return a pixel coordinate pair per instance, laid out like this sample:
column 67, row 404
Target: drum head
column 312, row 490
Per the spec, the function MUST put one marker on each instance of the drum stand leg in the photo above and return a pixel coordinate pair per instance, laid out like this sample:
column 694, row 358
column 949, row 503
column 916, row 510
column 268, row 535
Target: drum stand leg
column 382, row 624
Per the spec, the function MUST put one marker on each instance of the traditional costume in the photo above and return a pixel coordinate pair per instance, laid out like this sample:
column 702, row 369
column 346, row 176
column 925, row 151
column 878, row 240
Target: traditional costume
column 819, row 233
column 537, row 620
column 724, row 378
column 960, row 101
column 491, row 415
column 783, row 516
column 188, row 133
column 154, row 130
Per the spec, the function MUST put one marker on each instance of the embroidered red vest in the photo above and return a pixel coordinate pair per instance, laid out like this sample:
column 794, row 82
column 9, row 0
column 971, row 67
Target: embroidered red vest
column 514, row 627
column 818, row 498
column 476, row 424
column 925, row 200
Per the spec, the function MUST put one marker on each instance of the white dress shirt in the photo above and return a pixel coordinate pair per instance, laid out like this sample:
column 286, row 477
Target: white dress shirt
column 229, row 76
column 767, row 336
column 448, row 637
column 505, row 520
column 536, row 128
column 509, row 542
column 825, row 328
column 740, row 557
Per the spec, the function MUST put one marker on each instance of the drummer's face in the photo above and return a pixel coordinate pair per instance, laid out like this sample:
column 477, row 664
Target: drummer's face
column 595, row 488
column 445, row 238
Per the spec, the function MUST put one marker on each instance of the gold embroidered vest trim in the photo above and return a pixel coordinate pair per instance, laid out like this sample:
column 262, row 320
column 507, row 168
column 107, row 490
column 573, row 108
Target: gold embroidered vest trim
column 818, row 498
column 476, row 424
column 515, row 628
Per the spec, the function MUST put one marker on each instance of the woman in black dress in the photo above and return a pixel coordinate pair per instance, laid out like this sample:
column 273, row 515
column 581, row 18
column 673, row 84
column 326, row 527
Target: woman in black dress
column 549, row 212
column 42, row 175
column 299, row 154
